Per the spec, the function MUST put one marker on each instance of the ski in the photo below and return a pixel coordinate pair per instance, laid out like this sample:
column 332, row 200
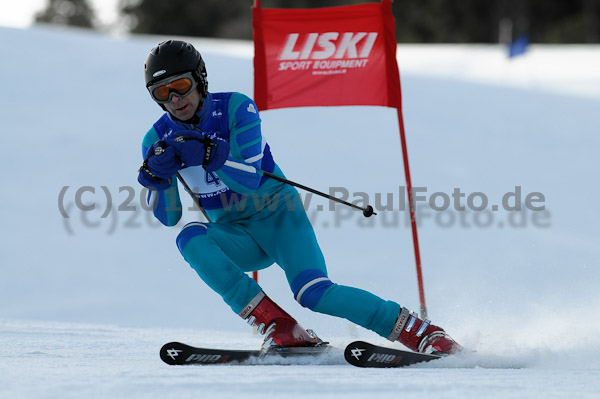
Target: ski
column 177, row 353
column 364, row 354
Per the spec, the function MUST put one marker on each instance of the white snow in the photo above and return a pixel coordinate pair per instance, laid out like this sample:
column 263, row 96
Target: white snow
column 87, row 301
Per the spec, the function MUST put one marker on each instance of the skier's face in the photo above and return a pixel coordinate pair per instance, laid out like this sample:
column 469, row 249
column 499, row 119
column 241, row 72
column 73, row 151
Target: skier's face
column 183, row 108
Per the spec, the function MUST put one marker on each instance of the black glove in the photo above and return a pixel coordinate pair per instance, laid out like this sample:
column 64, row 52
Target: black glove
column 161, row 163
column 196, row 148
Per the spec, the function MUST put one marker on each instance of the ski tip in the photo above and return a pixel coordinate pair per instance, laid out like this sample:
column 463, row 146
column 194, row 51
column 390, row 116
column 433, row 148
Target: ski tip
column 169, row 353
column 364, row 354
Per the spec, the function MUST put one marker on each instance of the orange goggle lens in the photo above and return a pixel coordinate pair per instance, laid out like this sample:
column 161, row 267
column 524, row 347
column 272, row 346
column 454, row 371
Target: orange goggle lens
column 180, row 87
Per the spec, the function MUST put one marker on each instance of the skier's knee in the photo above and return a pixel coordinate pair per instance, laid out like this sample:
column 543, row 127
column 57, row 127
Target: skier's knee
column 188, row 232
column 309, row 286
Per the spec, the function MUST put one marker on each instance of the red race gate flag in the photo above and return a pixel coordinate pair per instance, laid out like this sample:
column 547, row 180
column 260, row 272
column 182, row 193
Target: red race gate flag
column 331, row 56
column 325, row 56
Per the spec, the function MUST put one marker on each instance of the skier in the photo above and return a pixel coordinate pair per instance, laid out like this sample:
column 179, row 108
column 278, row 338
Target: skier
column 214, row 142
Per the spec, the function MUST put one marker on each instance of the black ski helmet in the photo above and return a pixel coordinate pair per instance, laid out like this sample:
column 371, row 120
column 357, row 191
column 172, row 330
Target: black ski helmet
column 173, row 57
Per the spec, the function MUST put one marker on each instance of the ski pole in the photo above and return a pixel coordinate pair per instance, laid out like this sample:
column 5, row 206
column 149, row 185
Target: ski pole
column 367, row 211
column 194, row 198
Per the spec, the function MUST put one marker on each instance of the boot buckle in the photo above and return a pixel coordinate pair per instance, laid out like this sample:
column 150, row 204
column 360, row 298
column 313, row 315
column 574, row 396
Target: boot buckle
column 423, row 327
column 411, row 321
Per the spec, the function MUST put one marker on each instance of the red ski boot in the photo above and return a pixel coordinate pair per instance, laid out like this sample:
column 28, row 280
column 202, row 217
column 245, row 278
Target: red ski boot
column 421, row 336
column 280, row 329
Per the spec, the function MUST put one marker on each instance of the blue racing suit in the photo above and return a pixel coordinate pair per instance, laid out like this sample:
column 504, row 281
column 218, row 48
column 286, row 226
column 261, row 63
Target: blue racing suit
column 255, row 221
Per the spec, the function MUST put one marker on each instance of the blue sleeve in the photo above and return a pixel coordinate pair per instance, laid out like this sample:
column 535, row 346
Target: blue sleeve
column 166, row 203
column 242, row 170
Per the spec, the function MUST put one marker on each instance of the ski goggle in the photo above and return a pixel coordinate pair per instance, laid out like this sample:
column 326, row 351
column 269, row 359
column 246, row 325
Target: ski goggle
column 163, row 91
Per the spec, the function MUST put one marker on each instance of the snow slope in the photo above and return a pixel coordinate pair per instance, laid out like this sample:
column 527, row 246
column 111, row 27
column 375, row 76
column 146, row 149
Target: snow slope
column 87, row 301
column 75, row 360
